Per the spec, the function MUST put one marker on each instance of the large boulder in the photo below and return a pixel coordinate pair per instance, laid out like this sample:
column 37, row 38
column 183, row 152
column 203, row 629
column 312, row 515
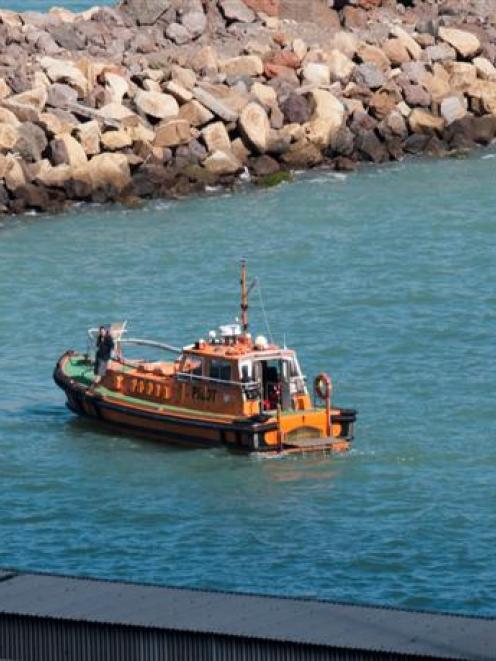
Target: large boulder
column 222, row 163
column 157, row 105
column 109, row 169
column 66, row 150
column 340, row 65
column 316, row 73
column 244, row 65
column 31, row 143
column 65, row 71
column 327, row 106
column 173, row 133
column 255, row 127
column 8, row 137
column 236, row 10
column 421, row 121
column 61, row 96
column 216, row 137
column 268, row 7
column 195, row 113
column 89, row 135
column 146, row 12
column 296, row 109
column 452, row 108
column 466, row 43
column 28, row 105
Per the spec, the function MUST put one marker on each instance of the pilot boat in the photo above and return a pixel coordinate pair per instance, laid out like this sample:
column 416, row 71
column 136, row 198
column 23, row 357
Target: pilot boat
column 233, row 389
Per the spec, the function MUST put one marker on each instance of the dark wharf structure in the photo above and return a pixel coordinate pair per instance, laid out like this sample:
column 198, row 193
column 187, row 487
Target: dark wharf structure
column 50, row 618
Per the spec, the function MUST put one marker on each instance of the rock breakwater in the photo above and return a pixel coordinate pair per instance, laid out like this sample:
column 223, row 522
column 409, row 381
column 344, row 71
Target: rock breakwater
column 165, row 97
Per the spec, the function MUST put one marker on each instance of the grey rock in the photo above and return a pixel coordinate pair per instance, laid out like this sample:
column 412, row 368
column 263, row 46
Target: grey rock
column 214, row 105
column 61, row 96
column 45, row 43
column 371, row 148
column 146, row 12
column 195, row 23
column 416, row 95
column 178, row 33
column 369, row 75
column 235, row 10
column 440, row 53
column 31, row 143
column 68, row 37
column 296, row 109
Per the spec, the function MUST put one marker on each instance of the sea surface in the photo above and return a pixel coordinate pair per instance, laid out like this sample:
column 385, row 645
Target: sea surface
column 385, row 278
column 45, row 5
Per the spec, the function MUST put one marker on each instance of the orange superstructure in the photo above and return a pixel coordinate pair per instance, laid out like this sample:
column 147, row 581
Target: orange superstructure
column 231, row 389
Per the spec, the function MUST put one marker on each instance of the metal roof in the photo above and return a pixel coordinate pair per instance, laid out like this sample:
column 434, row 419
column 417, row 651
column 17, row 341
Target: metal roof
column 269, row 618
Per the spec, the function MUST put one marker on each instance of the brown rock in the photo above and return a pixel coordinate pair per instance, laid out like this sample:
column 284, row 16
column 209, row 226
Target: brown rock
column 222, row 163
column 216, row 137
column 157, row 105
column 116, row 140
column 255, row 127
column 89, row 135
column 64, row 71
column 27, row 106
column 269, row 7
column 303, row 154
column 8, row 137
column 243, row 65
column 341, row 67
column 382, row 103
column 109, row 169
column 195, row 113
column 172, row 133
column 466, row 43
column 11, row 172
column 66, row 150
column 408, row 42
column 33, row 196
column 374, row 55
column 421, row 121
column 396, row 51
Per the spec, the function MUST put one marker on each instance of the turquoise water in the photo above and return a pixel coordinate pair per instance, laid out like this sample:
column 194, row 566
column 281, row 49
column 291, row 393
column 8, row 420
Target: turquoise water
column 384, row 278
column 44, row 5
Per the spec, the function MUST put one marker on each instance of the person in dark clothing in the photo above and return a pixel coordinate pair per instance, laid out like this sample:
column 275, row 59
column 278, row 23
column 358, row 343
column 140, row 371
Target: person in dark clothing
column 104, row 348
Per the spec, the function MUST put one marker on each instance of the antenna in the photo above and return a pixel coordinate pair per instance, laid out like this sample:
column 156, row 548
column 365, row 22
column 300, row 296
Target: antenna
column 244, row 298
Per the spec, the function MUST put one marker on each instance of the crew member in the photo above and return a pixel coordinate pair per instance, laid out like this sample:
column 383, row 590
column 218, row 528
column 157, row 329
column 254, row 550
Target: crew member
column 104, row 347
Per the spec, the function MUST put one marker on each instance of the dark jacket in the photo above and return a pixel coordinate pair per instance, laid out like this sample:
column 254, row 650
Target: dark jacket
column 104, row 347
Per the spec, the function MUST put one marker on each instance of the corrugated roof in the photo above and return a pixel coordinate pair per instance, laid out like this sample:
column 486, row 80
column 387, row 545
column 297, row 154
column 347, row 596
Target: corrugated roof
column 280, row 619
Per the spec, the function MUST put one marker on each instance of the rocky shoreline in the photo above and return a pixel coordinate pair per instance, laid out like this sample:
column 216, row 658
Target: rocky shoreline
column 167, row 97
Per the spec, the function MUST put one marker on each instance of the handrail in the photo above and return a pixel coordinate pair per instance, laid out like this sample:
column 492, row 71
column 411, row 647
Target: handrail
column 92, row 332
column 196, row 377
column 151, row 343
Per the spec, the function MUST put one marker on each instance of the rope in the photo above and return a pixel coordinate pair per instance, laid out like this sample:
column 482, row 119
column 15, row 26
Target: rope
column 266, row 320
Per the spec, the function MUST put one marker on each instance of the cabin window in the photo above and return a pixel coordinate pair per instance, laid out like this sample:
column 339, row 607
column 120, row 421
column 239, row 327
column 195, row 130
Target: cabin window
column 193, row 365
column 220, row 369
column 245, row 372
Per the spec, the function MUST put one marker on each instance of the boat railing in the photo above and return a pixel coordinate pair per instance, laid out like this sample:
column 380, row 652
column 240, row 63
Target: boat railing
column 199, row 378
column 137, row 341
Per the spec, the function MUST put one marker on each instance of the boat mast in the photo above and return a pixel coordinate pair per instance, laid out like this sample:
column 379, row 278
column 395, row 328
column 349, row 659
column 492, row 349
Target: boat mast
column 244, row 299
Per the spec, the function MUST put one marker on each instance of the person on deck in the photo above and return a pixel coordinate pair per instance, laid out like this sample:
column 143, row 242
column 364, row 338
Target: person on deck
column 104, row 347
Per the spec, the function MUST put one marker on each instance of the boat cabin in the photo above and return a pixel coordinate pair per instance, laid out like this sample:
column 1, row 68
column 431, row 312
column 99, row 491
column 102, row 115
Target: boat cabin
column 247, row 376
